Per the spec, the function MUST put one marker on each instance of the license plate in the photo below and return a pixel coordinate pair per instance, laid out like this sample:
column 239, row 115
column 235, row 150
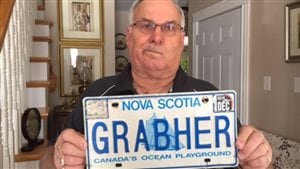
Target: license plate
column 176, row 130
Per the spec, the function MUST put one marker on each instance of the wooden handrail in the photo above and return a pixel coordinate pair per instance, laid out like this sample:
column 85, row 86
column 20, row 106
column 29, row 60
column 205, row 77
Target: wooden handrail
column 6, row 7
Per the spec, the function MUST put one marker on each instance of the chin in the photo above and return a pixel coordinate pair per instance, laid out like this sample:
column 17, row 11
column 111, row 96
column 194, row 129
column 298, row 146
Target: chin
column 155, row 66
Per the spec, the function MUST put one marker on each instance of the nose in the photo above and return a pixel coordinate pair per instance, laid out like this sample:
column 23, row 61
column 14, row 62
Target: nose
column 157, row 36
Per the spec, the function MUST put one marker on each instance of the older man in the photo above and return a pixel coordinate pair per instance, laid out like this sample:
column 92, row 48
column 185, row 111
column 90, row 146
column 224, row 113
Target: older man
column 155, row 43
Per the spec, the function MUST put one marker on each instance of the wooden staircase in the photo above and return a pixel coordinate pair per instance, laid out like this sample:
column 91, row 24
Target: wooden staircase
column 38, row 83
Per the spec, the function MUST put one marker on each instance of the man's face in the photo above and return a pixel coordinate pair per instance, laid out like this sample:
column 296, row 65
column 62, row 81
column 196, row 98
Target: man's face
column 155, row 53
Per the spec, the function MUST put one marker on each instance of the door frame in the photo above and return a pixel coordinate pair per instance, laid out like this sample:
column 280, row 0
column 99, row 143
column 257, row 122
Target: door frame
column 217, row 9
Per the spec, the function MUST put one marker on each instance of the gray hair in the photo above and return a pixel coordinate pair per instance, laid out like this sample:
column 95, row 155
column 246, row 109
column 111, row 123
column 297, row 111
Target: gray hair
column 137, row 2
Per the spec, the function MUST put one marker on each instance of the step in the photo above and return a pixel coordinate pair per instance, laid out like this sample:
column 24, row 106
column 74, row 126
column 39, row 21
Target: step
column 44, row 112
column 38, row 84
column 42, row 28
column 37, row 59
column 39, row 71
column 41, row 49
column 40, row 12
column 32, row 155
column 41, row 39
column 43, row 22
column 37, row 97
column 41, row 7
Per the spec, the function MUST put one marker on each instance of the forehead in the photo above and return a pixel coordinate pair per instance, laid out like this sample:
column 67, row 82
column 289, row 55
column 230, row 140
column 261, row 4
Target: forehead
column 159, row 11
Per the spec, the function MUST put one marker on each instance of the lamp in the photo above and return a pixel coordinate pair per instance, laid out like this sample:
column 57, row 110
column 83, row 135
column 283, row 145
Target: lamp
column 85, row 75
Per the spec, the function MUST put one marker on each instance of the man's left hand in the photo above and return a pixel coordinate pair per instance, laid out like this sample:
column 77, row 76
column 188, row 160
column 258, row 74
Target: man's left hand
column 255, row 151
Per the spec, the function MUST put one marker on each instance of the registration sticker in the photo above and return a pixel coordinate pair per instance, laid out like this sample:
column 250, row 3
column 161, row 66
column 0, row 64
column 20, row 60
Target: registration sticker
column 175, row 130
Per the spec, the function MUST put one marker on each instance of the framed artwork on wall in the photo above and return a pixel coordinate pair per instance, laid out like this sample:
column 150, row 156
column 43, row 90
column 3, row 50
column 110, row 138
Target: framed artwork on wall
column 79, row 66
column 292, row 32
column 80, row 20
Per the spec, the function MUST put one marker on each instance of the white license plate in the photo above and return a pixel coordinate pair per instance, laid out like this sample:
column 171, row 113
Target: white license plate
column 178, row 130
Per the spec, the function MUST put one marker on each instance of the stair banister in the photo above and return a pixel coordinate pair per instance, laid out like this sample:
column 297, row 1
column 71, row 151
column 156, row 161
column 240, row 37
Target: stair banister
column 6, row 7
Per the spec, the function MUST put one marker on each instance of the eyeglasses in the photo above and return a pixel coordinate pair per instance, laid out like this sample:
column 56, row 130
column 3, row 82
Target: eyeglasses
column 148, row 27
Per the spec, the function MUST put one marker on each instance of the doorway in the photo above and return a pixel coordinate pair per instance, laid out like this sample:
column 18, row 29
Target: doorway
column 220, row 49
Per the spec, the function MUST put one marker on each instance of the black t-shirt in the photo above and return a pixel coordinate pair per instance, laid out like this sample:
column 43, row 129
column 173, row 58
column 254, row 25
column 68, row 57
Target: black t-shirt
column 122, row 85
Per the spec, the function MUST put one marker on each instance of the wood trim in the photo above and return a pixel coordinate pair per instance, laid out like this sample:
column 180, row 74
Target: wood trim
column 40, row 59
column 6, row 8
column 38, row 83
column 41, row 39
column 43, row 22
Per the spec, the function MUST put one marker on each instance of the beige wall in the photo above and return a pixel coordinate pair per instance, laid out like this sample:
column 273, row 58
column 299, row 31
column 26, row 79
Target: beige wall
column 278, row 110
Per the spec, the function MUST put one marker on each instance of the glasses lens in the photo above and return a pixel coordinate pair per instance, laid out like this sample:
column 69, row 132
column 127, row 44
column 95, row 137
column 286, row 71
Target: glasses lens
column 145, row 26
column 170, row 27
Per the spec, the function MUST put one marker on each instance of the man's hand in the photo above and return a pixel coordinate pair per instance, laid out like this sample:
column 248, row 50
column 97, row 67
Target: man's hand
column 69, row 150
column 254, row 150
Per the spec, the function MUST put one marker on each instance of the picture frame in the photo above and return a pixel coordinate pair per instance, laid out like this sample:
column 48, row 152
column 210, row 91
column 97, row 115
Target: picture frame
column 292, row 32
column 78, row 64
column 80, row 20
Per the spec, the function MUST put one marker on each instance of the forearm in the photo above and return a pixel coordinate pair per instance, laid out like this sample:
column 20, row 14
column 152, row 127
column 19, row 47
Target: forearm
column 46, row 160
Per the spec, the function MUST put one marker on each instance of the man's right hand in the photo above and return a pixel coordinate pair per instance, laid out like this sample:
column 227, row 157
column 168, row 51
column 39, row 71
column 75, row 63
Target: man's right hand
column 69, row 150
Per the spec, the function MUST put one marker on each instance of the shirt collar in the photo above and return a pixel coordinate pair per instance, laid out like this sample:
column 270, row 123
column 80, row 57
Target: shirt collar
column 125, row 81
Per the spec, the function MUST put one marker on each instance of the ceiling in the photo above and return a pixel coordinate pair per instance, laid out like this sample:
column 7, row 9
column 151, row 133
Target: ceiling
column 125, row 4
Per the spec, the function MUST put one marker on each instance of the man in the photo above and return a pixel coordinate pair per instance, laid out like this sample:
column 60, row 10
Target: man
column 155, row 43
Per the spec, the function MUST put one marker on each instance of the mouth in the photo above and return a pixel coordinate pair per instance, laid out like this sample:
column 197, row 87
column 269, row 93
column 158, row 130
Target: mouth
column 151, row 51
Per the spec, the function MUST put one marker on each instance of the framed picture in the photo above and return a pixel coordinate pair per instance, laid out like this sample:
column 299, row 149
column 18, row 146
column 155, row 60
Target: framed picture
column 292, row 36
column 79, row 66
column 80, row 20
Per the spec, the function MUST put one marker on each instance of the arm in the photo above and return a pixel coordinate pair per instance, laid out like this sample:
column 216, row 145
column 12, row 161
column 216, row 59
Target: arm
column 254, row 150
column 68, row 151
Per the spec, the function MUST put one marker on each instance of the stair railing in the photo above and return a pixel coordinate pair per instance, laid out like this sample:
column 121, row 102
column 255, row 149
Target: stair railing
column 17, row 23
column 6, row 8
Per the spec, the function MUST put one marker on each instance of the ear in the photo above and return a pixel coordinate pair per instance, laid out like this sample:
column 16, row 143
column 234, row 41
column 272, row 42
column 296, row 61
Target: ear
column 128, row 34
column 182, row 36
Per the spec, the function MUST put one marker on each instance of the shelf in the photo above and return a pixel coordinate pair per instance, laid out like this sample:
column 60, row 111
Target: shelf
column 33, row 155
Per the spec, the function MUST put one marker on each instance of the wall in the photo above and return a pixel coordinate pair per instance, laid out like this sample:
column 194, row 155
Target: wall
column 109, row 52
column 278, row 110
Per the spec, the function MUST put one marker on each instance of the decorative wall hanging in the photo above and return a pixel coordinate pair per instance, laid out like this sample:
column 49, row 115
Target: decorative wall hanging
column 292, row 32
column 121, row 62
column 120, row 40
column 79, row 65
column 81, row 20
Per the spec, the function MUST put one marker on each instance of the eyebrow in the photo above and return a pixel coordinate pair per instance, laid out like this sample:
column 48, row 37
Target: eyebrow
column 150, row 20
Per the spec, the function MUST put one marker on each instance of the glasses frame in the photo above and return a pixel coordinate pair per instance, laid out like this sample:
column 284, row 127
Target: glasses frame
column 156, row 25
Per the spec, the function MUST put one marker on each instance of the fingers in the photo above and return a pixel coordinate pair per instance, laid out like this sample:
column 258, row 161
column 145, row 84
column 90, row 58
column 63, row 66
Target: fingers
column 248, row 141
column 70, row 150
column 254, row 149
column 73, row 137
column 261, row 162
